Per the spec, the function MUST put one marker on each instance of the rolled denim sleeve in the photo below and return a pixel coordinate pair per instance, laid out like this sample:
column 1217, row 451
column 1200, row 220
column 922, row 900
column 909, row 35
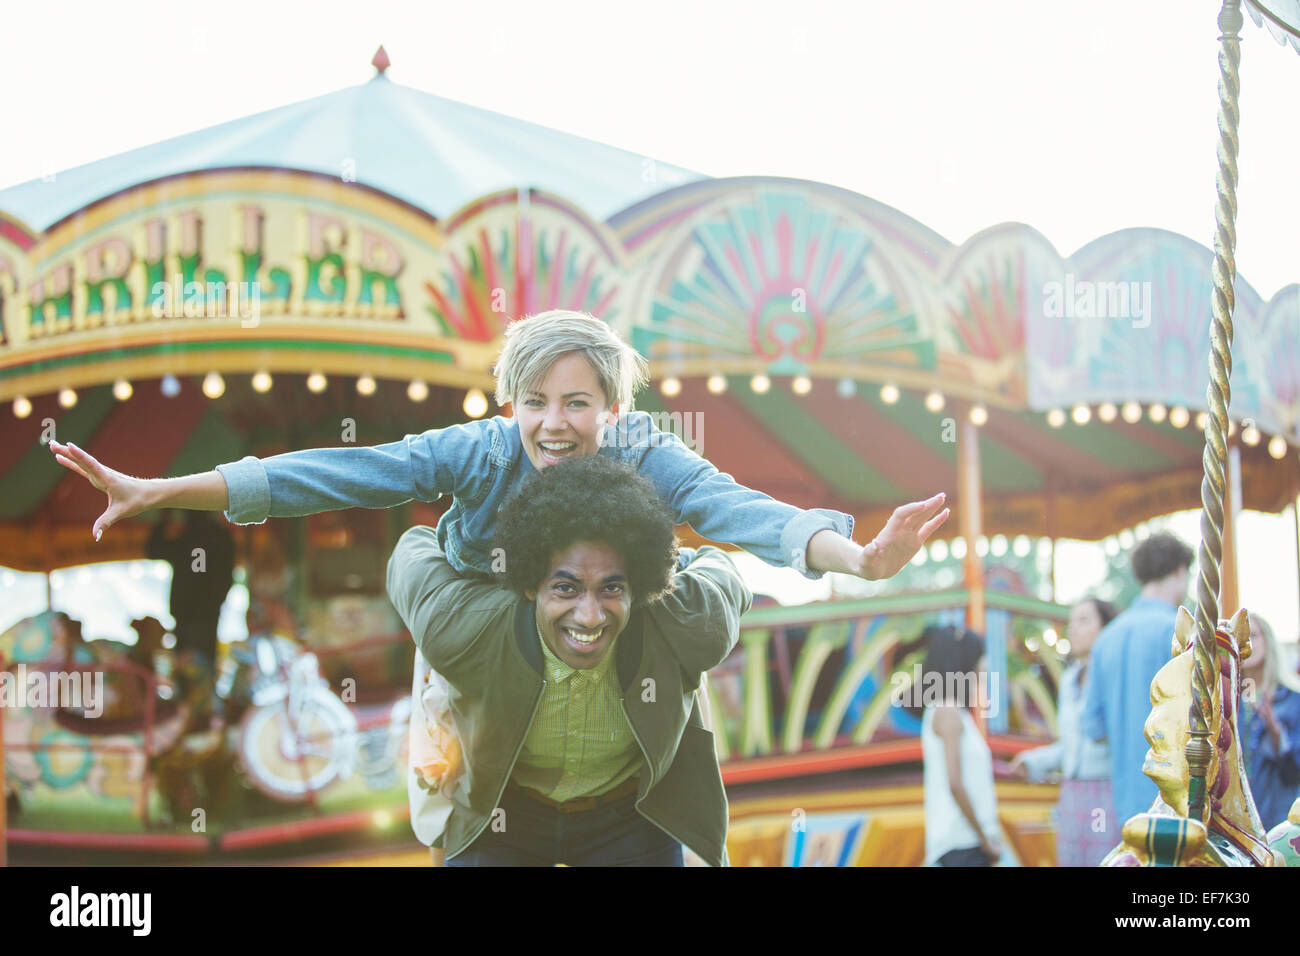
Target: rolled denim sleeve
column 440, row 461
column 248, row 490
column 723, row 510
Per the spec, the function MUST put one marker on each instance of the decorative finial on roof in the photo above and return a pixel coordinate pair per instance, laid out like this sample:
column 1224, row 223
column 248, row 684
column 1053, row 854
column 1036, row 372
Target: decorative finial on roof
column 381, row 61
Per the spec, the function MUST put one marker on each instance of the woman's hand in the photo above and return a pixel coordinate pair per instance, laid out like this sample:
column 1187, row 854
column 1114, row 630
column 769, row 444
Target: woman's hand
column 1017, row 767
column 127, row 496
column 1265, row 710
column 903, row 535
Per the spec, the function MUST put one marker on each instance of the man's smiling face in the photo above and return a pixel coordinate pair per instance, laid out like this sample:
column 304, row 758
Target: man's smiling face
column 583, row 603
column 561, row 417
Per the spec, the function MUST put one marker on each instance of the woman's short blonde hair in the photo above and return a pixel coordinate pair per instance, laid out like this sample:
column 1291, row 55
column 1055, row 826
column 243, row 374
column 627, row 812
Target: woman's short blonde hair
column 534, row 343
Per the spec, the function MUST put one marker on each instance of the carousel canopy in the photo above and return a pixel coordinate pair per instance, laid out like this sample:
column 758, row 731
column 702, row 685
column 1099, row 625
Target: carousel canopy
column 430, row 152
column 812, row 342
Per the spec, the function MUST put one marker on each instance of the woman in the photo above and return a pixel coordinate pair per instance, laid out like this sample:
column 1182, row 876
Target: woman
column 961, row 811
column 1269, row 727
column 1086, row 828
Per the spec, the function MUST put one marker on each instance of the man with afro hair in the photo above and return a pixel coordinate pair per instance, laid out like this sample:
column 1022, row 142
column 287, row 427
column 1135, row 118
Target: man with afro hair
column 573, row 676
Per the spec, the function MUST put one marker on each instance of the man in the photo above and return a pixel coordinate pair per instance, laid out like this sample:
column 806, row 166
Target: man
column 1125, row 659
column 573, row 688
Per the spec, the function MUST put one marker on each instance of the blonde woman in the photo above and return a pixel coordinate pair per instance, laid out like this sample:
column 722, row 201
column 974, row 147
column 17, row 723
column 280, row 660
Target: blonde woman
column 1269, row 726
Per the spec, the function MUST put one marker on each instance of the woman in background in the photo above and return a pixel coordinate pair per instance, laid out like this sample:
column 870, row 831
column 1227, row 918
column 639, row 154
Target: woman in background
column 1269, row 727
column 961, row 810
column 1086, row 828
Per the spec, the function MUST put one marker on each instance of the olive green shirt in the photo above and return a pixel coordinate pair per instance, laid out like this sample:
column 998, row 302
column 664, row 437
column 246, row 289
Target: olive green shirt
column 579, row 744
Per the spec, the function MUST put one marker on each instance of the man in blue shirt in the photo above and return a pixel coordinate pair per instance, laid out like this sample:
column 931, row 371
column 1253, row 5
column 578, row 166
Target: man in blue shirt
column 1125, row 659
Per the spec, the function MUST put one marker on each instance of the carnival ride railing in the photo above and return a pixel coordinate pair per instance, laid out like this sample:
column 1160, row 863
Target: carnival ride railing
column 818, row 687
column 808, row 688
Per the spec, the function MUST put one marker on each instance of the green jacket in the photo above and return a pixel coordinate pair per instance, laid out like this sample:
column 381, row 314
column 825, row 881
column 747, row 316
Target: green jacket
column 483, row 640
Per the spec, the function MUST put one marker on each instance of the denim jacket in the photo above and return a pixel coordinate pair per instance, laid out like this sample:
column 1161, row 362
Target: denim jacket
column 482, row 463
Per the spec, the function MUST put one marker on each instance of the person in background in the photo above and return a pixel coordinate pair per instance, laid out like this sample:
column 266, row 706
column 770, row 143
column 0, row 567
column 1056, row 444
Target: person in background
column 201, row 553
column 1083, row 764
column 1269, row 727
column 1125, row 659
column 961, row 810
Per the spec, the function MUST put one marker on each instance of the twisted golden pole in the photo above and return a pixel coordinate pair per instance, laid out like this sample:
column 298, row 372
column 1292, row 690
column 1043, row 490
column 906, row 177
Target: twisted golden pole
column 1218, row 394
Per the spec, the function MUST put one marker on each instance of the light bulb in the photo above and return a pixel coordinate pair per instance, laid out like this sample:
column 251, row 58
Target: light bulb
column 476, row 403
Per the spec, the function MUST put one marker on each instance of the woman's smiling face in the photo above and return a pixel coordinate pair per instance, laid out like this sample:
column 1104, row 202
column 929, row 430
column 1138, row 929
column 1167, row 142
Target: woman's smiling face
column 561, row 417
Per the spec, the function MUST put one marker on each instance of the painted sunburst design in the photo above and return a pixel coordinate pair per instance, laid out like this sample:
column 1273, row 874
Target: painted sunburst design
column 504, row 261
column 783, row 280
column 986, row 309
column 985, row 306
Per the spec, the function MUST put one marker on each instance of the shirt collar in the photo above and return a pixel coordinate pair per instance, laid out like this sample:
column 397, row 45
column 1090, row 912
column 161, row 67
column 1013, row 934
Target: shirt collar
column 560, row 671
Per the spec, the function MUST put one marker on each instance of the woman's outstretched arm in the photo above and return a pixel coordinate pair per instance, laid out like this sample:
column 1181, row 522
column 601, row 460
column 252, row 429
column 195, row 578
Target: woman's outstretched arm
column 129, row 496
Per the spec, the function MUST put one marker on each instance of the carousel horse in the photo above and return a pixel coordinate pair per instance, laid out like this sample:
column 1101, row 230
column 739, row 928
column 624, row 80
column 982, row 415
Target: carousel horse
column 1164, row 835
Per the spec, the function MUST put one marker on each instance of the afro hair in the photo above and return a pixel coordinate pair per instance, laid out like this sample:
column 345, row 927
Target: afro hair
column 588, row 499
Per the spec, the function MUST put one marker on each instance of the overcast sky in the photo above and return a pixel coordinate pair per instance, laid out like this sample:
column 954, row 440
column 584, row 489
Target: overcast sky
column 1076, row 118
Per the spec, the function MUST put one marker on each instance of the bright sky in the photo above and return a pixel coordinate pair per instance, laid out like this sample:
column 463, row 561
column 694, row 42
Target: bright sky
column 1078, row 119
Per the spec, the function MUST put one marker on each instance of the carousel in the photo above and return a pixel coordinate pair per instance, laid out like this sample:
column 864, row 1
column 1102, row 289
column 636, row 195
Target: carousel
column 341, row 270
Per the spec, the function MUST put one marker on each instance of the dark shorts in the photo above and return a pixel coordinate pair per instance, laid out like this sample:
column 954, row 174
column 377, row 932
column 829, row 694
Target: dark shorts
column 974, row 856
column 533, row 834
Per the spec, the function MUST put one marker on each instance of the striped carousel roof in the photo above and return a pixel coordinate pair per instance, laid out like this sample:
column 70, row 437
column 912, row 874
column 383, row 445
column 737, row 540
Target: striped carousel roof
column 879, row 336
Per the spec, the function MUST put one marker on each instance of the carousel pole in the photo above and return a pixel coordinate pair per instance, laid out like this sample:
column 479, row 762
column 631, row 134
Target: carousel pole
column 1218, row 394
column 968, row 475
column 1051, row 533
